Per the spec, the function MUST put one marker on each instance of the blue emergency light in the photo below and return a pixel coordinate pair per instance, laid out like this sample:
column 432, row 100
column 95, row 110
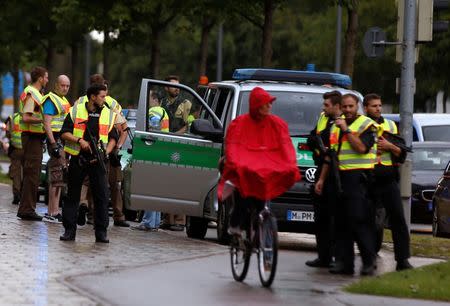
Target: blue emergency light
column 281, row 75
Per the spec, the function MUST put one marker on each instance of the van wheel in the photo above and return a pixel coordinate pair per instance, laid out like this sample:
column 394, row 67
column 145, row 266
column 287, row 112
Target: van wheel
column 435, row 224
column 196, row 227
column 223, row 217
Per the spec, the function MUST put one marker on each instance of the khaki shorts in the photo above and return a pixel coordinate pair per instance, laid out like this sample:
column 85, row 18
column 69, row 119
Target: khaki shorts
column 56, row 168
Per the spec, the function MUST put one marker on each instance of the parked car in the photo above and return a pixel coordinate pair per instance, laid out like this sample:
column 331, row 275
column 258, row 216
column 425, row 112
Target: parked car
column 441, row 204
column 177, row 173
column 427, row 127
column 429, row 159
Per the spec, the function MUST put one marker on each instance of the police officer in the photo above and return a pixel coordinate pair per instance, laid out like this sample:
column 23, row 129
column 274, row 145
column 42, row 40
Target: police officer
column 386, row 188
column 323, row 221
column 55, row 109
column 353, row 139
column 15, row 154
column 32, row 142
column 83, row 121
column 114, row 167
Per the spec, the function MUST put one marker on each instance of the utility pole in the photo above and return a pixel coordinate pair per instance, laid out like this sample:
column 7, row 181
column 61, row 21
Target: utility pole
column 407, row 90
column 337, row 66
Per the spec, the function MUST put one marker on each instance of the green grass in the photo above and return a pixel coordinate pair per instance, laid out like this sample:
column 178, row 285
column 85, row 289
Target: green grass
column 424, row 245
column 4, row 178
column 429, row 282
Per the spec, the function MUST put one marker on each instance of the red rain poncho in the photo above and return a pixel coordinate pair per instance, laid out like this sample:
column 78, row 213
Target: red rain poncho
column 260, row 159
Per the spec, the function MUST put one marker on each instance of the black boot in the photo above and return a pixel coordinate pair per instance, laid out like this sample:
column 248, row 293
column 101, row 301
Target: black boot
column 403, row 264
column 341, row 268
column 67, row 236
column 101, row 237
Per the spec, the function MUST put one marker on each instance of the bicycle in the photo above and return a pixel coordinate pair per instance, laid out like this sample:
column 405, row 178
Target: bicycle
column 260, row 236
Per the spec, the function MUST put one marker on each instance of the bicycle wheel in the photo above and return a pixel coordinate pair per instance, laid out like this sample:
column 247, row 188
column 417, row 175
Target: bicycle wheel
column 267, row 249
column 240, row 258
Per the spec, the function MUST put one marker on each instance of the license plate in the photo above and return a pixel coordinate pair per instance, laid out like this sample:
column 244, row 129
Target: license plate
column 303, row 216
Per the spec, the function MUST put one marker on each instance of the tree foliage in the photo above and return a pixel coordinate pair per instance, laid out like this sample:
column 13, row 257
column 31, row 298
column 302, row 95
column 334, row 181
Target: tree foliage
column 153, row 38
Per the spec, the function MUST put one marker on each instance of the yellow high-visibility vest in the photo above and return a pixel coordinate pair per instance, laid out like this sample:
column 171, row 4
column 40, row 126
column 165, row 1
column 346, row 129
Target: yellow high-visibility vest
column 349, row 159
column 80, row 114
column 161, row 113
column 384, row 158
column 37, row 112
column 321, row 123
column 15, row 131
column 110, row 102
column 62, row 107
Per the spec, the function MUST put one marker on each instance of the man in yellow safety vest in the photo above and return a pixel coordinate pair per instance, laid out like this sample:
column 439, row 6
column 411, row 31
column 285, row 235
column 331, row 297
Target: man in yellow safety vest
column 90, row 136
column 32, row 137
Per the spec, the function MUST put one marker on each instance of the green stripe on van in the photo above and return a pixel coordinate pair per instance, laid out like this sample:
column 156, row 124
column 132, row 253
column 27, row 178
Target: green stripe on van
column 179, row 154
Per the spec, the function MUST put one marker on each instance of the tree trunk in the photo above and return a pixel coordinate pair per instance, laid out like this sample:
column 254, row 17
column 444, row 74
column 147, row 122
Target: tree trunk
column 350, row 40
column 15, row 75
column 266, row 56
column 155, row 57
column 203, row 57
column 74, row 92
column 49, row 64
column 106, row 45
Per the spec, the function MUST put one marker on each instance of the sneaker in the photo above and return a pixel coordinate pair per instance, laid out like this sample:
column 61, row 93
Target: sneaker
column 52, row 219
column 58, row 217
column 143, row 227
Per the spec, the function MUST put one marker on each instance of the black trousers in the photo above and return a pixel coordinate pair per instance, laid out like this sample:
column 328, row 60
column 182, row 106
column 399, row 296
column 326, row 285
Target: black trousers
column 100, row 193
column 387, row 193
column 355, row 220
column 324, row 222
column 242, row 209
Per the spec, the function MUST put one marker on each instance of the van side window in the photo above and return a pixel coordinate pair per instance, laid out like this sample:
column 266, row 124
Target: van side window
column 171, row 109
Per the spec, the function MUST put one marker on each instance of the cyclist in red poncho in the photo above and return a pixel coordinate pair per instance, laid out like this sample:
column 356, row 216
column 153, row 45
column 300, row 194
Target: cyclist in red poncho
column 260, row 160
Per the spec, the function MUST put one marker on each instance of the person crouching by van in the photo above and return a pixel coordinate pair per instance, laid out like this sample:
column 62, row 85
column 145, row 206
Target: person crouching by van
column 158, row 120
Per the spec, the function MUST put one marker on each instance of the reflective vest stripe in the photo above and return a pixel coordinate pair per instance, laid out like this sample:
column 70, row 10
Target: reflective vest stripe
column 385, row 157
column 62, row 107
column 37, row 128
column 160, row 112
column 16, row 133
column 80, row 113
column 349, row 159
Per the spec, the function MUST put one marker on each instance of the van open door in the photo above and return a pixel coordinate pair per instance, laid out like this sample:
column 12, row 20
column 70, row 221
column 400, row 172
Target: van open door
column 174, row 171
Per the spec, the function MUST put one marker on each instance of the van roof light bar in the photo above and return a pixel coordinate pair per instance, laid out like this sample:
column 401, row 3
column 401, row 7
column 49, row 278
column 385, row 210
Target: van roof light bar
column 281, row 75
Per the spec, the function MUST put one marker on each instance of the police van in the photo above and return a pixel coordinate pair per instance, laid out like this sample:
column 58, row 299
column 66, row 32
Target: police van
column 177, row 172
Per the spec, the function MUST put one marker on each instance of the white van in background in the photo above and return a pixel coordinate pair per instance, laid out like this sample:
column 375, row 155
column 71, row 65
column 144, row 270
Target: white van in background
column 427, row 127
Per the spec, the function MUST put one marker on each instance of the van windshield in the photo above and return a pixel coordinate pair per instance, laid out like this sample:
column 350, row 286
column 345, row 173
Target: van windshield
column 436, row 133
column 300, row 110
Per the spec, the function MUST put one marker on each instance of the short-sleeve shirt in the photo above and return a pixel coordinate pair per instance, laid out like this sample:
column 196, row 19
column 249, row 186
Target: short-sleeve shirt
column 29, row 105
column 49, row 108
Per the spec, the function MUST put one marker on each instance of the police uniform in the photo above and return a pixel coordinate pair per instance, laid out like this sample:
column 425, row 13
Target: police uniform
column 354, row 211
column 114, row 172
column 323, row 221
column 101, row 124
column 32, row 143
column 387, row 192
column 15, row 153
